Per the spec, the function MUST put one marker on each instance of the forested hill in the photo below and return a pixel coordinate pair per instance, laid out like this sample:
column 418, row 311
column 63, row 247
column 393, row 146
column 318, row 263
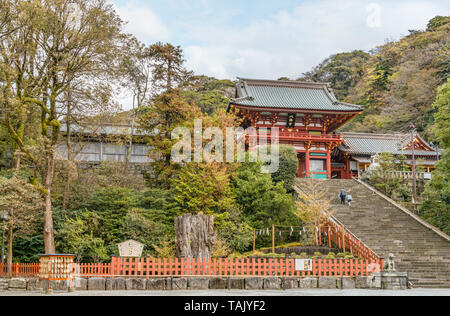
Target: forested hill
column 396, row 82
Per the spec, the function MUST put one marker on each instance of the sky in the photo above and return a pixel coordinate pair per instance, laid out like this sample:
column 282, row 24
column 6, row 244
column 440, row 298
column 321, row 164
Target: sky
column 269, row 39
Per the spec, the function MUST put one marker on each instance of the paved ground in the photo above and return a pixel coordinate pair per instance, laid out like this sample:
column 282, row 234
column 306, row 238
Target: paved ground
column 415, row 292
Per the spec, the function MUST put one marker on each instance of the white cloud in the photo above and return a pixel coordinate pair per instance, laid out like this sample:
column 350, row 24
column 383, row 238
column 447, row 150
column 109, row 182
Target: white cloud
column 143, row 22
column 289, row 43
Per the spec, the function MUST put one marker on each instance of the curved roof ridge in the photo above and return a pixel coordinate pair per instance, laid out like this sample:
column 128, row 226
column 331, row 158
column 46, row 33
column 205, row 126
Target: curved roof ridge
column 285, row 83
column 295, row 95
column 351, row 105
column 374, row 135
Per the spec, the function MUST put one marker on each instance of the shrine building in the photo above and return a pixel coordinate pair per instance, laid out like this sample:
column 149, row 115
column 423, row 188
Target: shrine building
column 308, row 116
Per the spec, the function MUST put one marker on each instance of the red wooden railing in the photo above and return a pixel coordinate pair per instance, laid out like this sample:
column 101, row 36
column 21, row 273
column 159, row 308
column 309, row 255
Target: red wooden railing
column 93, row 269
column 336, row 233
column 258, row 267
column 307, row 137
column 148, row 267
column 20, row 269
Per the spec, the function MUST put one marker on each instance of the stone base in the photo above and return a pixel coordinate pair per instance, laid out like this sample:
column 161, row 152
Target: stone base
column 116, row 284
column 271, row 284
column 179, row 284
column 390, row 280
column 289, row 283
column 308, row 283
column 218, row 284
column 97, row 284
column 156, row 284
column 254, row 283
column 236, row 284
column 328, row 282
column 4, row 284
column 198, row 284
column 382, row 280
column 136, row 284
column 17, row 284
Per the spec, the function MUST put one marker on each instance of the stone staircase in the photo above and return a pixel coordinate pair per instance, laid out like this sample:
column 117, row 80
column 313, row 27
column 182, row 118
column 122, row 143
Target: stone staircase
column 385, row 228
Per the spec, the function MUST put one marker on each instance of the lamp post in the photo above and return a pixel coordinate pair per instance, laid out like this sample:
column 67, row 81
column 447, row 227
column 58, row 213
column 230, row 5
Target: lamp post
column 413, row 146
column 4, row 218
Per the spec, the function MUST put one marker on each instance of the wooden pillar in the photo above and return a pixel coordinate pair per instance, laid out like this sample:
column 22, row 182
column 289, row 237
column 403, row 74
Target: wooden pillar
column 329, row 165
column 343, row 239
column 320, row 236
column 329, row 237
column 307, row 158
column 300, row 170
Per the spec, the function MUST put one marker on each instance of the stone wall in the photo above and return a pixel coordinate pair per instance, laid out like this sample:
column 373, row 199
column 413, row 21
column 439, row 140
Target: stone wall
column 378, row 281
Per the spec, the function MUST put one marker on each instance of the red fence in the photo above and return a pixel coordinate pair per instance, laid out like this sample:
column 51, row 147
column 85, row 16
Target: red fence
column 21, row 269
column 150, row 267
column 93, row 269
column 344, row 239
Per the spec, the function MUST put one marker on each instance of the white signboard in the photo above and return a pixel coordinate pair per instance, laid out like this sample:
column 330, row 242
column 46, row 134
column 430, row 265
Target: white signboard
column 303, row 264
column 131, row 248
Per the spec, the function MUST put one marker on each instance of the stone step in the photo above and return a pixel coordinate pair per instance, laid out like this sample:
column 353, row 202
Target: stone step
column 378, row 224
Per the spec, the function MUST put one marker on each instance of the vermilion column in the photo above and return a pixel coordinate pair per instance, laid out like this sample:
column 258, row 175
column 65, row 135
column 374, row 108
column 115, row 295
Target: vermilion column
column 349, row 172
column 307, row 167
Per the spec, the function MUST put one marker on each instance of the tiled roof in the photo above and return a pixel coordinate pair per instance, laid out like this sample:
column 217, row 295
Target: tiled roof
column 371, row 144
column 294, row 95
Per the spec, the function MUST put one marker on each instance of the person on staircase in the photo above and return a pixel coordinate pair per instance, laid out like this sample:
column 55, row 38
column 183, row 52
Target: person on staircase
column 349, row 199
column 343, row 196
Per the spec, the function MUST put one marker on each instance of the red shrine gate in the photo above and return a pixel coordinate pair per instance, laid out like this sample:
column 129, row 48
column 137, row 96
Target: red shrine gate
column 307, row 115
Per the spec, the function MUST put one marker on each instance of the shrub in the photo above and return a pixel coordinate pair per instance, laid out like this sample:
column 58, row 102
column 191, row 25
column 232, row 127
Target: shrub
column 287, row 171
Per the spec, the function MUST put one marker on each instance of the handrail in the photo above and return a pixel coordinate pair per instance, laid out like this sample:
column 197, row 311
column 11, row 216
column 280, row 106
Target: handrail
column 405, row 210
column 337, row 225
column 372, row 254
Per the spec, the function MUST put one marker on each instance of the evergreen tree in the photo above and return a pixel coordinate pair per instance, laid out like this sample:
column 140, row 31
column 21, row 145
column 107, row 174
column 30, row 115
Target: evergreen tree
column 436, row 208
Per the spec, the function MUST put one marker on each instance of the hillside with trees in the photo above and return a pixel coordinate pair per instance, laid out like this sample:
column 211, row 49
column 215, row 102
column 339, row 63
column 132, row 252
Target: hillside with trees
column 396, row 83
column 399, row 83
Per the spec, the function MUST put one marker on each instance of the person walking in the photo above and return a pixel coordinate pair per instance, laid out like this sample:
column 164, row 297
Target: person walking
column 349, row 199
column 343, row 196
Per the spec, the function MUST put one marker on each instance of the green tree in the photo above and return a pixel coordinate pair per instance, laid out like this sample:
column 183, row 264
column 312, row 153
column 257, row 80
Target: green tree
column 167, row 112
column 209, row 94
column 436, row 22
column 168, row 69
column 23, row 205
column 313, row 208
column 385, row 180
column 288, row 169
column 263, row 203
column 63, row 41
column 77, row 237
column 436, row 208
column 343, row 71
column 203, row 188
